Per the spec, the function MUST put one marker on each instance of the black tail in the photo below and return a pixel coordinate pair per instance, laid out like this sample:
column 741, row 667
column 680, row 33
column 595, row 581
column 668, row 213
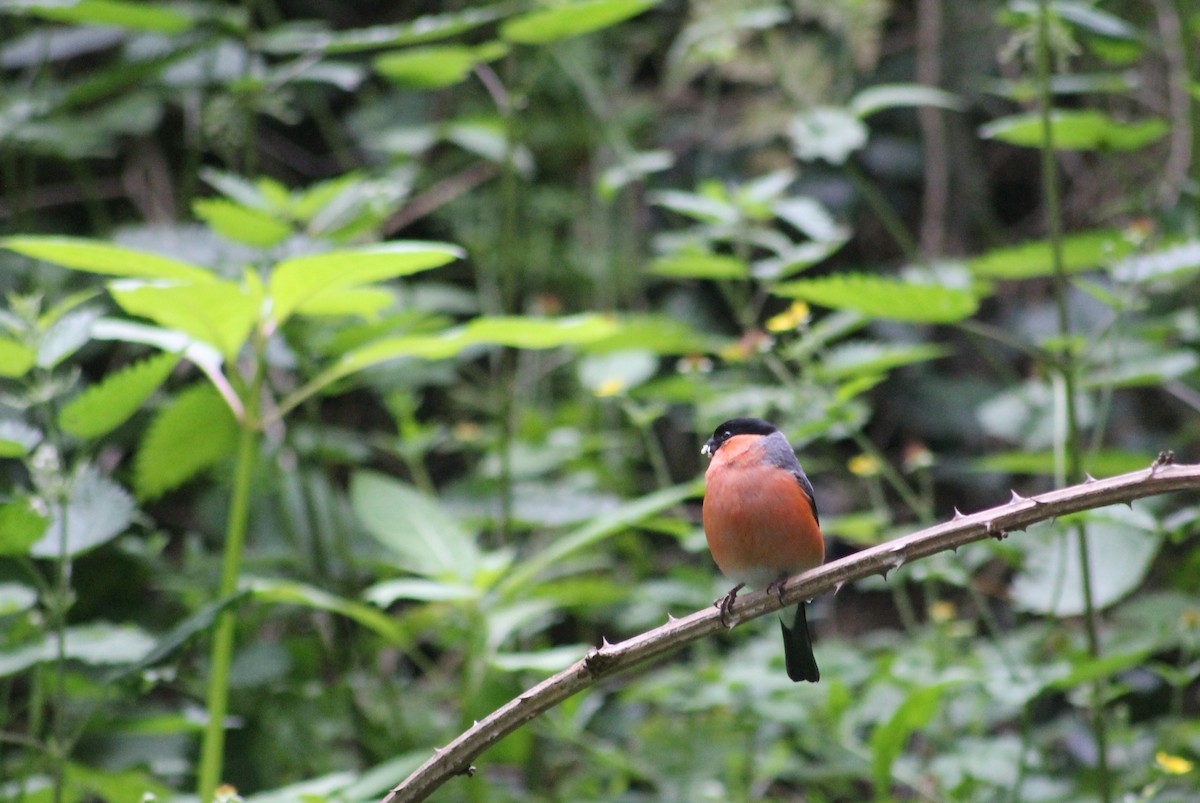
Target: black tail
column 797, row 649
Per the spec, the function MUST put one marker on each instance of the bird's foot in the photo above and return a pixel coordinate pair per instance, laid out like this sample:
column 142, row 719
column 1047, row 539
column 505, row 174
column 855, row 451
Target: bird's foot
column 777, row 587
column 725, row 604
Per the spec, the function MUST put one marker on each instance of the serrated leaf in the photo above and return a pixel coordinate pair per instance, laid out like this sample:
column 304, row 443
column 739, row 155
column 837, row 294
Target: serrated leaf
column 15, row 358
column 862, row 358
column 97, row 256
column 880, row 297
column 364, row 302
column 436, row 66
column 570, row 19
column 97, row 511
column 889, row 737
column 194, row 431
column 66, row 335
column 105, row 406
column 242, row 224
column 1077, row 130
column 21, row 526
column 698, row 207
column 17, row 438
column 426, row 539
column 700, row 265
column 1120, row 546
column 220, row 313
column 299, row 281
column 828, row 133
column 1081, row 251
column 1146, row 369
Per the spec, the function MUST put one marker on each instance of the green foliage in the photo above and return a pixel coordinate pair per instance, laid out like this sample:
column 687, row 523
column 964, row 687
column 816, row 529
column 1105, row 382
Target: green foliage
column 428, row 318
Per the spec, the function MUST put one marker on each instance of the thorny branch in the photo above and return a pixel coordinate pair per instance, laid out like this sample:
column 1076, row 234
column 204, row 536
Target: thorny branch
column 1163, row 476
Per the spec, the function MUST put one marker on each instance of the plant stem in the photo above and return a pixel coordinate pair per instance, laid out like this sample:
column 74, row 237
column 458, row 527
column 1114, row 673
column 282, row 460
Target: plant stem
column 1066, row 364
column 212, row 750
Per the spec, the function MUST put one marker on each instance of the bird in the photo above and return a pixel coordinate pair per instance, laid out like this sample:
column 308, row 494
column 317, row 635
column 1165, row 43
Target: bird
column 761, row 523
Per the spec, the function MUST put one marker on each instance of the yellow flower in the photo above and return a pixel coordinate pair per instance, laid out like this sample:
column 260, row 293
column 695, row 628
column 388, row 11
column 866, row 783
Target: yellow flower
column 1173, row 765
column 863, row 465
column 610, row 387
column 942, row 611
column 790, row 318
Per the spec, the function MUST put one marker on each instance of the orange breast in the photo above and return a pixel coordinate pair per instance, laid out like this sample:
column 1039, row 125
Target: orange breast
column 757, row 519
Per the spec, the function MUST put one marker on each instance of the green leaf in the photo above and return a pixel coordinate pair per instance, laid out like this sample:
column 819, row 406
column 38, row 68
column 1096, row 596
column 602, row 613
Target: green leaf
column 199, row 621
column 218, row 312
column 99, row 644
column 437, row 66
column 112, row 13
column 1174, row 262
column 700, row 265
column 863, row 358
column 1077, row 130
column 97, row 511
column 880, row 297
column 615, row 372
column 21, row 526
column 289, row 592
column 888, row 740
column 1144, row 370
column 828, row 133
column 426, row 539
column 307, row 37
column 1106, row 463
column 1121, row 545
column 513, row 331
column 364, row 302
column 893, row 96
column 242, row 224
column 194, row 431
column 587, row 535
column 14, row 597
column 570, row 19
column 656, row 333
column 105, row 406
column 67, row 334
column 300, row 281
column 96, row 256
column 1081, row 251
column 17, row 438
column 15, row 358
column 419, row 588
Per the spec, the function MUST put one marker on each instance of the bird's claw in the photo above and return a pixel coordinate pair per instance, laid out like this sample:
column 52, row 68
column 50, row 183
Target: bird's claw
column 777, row 587
column 725, row 604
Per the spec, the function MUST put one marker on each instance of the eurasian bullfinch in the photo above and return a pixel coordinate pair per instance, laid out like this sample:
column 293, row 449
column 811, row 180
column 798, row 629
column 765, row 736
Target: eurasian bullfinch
column 760, row 518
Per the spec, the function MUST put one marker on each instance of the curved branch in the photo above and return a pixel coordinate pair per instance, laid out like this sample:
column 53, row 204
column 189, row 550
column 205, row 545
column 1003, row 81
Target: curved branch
column 455, row 758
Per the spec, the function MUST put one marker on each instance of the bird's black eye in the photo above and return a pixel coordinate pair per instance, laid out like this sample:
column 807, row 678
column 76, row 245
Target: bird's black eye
column 726, row 435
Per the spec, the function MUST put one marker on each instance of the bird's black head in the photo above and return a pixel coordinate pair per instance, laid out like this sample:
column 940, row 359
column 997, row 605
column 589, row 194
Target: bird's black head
column 736, row 426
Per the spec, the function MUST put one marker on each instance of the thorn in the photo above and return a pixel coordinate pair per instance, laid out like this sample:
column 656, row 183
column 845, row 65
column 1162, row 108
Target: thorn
column 1088, row 478
column 437, row 751
column 604, row 642
column 958, row 514
column 837, row 587
column 670, row 618
column 1017, row 499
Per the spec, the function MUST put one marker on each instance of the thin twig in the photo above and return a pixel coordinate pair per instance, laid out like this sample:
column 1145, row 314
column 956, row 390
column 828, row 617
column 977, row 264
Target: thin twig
column 456, row 757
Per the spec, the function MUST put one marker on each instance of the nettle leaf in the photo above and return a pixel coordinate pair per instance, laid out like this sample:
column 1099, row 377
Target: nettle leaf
column 570, row 19
column 1081, row 251
column 289, row 592
column 828, row 133
column 242, row 224
column 1177, row 261
column 17, row 438
column 15, row 358
column 194, row 431
column 21, row 526
column 880, row 297
column 365, row 302
column 97, row 511
column 866, row 358
column 300, row 281
column 1121, row 544
column 113, row 13
column 66, row 335
column 96, row 256
column 105, row 406
column 426, row 539
column 1077, row 130
column 98, row 644
column 218, row 312
column 436, row 66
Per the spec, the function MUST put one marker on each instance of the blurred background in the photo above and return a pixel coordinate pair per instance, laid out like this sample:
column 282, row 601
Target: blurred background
column 950, row 249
